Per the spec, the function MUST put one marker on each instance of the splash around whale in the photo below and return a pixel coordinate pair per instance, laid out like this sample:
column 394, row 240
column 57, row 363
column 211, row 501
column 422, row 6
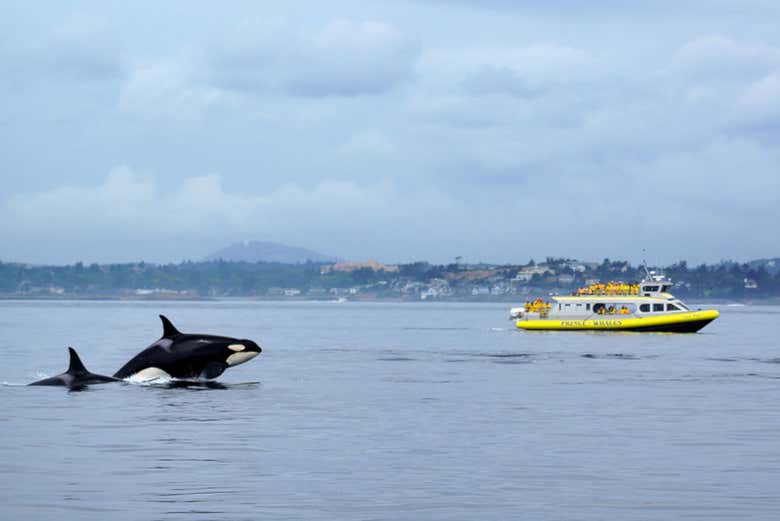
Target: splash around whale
column 176, row 355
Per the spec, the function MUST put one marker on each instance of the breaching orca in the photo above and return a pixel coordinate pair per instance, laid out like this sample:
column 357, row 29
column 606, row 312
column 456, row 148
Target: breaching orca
column 187, row 356
column 76, row 376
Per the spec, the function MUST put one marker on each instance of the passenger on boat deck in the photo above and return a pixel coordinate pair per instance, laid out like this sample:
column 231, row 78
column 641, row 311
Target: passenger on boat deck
column 537, row 306
column 611, row 310
column 623, row 310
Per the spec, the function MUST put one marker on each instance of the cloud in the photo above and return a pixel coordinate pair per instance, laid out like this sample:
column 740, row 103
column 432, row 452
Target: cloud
column 543, row 106
column 539, row 86
column 491, row 79
column 78, row 48
column 724, row 86
column 586, row 151
column 759, row 105
column 415, row 128
column 372, row 145
column 522, row 71
column 132, row 204
column 717, row 58
column 660, row 7
column 342, row 59
column 252, row 56
column 171, row 88
column 85, row 47
column 132, row 209
column 349, row 58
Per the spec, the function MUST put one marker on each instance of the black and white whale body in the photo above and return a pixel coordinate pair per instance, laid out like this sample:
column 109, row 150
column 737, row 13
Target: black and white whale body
column 188, row 356
column 76, row 376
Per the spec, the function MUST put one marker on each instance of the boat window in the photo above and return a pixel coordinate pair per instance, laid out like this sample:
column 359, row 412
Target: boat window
column 683, row 306
column 666, row 287
column 587, row 307
column 672, row 307
column 658, row 307
column 650, row 288
column 644, row 308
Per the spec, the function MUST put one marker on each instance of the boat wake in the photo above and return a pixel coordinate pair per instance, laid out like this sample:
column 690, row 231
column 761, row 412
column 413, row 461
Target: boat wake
column 613, row 356
column 39, row 375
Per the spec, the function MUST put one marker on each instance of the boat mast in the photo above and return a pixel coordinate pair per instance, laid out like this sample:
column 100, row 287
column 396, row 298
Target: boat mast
column 644, row 265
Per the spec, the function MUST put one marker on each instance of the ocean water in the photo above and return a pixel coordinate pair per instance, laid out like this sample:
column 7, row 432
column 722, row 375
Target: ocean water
column 381, row 411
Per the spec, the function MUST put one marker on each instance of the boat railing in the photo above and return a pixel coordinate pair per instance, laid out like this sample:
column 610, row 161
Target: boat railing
column 584, row 292
column 537, row 306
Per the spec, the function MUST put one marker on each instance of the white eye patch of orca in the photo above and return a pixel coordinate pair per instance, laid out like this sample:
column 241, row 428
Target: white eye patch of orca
column 240, row 357
column 237, row 347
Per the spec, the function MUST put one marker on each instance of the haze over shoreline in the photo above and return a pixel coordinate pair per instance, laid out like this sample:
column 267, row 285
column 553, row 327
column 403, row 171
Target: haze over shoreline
column 373, row 280
column 268, row 251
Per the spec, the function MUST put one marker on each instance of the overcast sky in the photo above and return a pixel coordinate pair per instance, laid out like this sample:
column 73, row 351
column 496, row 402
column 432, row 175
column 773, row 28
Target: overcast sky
column 495, row 130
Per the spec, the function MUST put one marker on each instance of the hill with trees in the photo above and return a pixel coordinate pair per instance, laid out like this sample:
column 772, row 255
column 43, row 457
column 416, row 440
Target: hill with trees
column 261, row 251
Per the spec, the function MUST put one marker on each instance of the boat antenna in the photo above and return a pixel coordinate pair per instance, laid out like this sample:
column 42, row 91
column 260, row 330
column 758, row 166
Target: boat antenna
column 644, row 263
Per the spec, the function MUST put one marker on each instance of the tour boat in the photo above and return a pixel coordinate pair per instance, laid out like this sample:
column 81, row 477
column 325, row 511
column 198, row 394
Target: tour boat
column 615, row 306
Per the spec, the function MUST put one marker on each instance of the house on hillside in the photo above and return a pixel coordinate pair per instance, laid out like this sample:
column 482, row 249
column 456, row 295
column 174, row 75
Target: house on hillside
column 565, row 279
column 526, row 274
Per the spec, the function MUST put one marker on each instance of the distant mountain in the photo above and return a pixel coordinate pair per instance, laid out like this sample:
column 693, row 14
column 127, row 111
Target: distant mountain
column 772, row 266
column 260, row 251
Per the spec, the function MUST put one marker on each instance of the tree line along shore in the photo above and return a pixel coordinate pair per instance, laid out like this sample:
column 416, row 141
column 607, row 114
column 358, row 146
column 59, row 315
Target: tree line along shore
column 753, row 280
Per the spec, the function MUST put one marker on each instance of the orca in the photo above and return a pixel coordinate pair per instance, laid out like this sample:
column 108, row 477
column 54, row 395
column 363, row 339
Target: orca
column 188, row 356
column 76, row 376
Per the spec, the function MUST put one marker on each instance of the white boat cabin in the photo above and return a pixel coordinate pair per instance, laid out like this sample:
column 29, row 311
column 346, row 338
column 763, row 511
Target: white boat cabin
column 650, row 297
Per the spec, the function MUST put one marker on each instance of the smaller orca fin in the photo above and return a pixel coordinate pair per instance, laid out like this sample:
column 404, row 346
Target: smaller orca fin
column 76, row 365
column 169, row 329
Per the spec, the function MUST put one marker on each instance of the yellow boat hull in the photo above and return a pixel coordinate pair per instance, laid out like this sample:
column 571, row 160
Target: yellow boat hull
column 688, row 322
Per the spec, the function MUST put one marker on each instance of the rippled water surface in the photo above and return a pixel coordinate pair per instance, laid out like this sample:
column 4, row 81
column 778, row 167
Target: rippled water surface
column 374, row 411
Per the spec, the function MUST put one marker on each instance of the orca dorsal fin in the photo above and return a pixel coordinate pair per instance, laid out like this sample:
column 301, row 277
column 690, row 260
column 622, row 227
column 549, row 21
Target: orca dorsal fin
column 76, row 365
column 169, row 329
